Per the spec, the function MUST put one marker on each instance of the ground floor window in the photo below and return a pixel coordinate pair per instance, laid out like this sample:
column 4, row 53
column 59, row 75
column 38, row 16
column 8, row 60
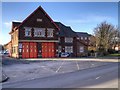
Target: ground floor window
column 69, row 49
column 59, row 49
column 81, row 49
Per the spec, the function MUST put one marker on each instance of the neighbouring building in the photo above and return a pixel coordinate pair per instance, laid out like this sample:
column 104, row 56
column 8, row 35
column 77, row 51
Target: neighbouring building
column 67, row 39
column 8, row 47
column 39, row 36
column 83, row 43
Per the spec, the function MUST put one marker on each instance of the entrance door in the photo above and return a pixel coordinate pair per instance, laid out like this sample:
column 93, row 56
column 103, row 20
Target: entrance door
column 48, row 49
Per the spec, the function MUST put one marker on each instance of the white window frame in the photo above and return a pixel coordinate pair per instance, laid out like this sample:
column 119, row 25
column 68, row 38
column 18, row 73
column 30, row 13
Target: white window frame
column 39, row 32
column 81, row 49
column 28, row 31
column 68, row 40
column 59, row 49
column 69, row 49
column 81, row 38
column 59, row 39
column 50, row 32
column 85, row 38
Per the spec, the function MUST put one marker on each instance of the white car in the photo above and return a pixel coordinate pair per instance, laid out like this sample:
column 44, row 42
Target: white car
column 65, row 55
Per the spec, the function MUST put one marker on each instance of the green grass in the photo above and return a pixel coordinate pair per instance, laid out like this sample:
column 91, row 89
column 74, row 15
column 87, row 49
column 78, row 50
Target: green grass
column 116, row 54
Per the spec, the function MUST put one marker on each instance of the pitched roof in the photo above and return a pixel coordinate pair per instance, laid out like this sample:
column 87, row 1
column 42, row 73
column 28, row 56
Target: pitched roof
column 39, row 8
column 65, row 31
column 14, row 24
column 82, row 34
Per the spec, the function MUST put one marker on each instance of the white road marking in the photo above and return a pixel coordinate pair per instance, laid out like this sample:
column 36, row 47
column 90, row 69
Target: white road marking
column 77, row 65
column 44, row 67
column 59, row 67
column 97, row 77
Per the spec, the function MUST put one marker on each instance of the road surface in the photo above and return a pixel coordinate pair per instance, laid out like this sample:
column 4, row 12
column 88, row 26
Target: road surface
column 99, row 77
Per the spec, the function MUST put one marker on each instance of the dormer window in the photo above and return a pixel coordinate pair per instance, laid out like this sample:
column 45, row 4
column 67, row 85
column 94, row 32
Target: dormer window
column 27, row 31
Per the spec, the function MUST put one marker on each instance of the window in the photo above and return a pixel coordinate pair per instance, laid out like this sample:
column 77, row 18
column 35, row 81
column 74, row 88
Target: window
column 81, row 38
column 89, row 38
column 12, row 37
column 69, row 49
column 59, row 39
column 13, row 50
column 68, row 40
column 20, row 50
column 39, row 32
column 78, row 38
column 81, row 49
column 20, row 45
column 39, row 20
column 50, row 32
column 27, row 31
column 85, row 38
column 59, row 49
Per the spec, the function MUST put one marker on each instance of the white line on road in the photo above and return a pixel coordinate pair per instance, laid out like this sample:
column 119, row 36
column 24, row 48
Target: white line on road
column 48, row 69
column 77, row 65
column 97, row 77
column 59, row 67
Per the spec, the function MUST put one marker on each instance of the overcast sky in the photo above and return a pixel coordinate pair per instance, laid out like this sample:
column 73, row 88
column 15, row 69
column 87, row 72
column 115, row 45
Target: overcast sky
column 82, row 17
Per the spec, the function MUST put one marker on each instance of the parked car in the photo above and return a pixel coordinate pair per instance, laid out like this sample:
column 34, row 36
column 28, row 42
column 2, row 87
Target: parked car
column 6, row 53
column 64, row 54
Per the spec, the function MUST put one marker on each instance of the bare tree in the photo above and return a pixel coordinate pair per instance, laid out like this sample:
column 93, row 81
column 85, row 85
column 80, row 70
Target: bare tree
column 104, row 34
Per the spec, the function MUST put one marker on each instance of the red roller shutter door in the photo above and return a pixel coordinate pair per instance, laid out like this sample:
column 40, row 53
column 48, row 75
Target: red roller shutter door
column 35, row 50
column 29, row 50
column 48, row 49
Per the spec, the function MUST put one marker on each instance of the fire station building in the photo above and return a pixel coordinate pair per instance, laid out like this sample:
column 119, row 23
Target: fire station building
column 39, row 36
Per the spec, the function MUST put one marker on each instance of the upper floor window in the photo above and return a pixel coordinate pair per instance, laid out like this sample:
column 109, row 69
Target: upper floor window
column 85, row 38
column 50, row 32
column 39, row 20
column 39, row 32
column 68, row 40
column 27, row 31
column 89, row 38
column 81, row 38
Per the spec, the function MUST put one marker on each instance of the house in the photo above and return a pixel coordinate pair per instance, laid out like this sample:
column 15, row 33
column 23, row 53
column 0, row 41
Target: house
column 39, row 36
column 67, row 39
column 8, row 47
column 82, row 43
column 36, row 36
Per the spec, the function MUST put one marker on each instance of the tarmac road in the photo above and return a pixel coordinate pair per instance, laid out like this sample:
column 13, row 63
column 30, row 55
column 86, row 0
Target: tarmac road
column 98, row 77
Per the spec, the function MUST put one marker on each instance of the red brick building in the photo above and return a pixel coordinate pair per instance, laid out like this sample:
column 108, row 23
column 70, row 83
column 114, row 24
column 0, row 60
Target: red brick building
column 39, row 36
column 36, row 36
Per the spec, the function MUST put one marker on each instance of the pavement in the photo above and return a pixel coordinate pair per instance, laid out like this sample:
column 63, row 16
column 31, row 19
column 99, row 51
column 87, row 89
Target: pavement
column 77, row 59
column 99, row 77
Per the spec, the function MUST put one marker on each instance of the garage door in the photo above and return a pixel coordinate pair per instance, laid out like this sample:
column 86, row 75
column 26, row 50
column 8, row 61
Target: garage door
column 29, row 50
column 48, row 49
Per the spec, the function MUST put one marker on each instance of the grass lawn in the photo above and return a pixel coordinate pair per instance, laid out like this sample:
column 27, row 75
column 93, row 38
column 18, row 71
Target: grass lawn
column 116, row 54
column 110, row 56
